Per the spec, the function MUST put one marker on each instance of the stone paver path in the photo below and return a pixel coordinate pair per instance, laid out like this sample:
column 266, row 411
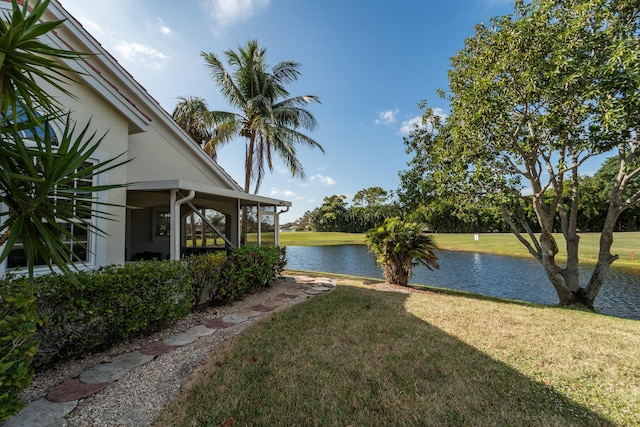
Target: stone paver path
column 64, row 398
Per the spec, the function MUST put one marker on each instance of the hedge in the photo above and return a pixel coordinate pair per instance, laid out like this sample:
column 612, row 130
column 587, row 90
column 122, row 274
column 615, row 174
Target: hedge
column 18, row 323
column 91, row 311
column 221, row 278
column 72, row 315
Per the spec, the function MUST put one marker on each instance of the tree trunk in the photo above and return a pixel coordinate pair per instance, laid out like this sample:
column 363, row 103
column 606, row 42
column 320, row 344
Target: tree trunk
column 605, row 258
column 204, row 227
column 397, row 273
column 248, row 167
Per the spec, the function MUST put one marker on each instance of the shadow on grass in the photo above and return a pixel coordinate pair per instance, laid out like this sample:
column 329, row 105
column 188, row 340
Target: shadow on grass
column 356, row 357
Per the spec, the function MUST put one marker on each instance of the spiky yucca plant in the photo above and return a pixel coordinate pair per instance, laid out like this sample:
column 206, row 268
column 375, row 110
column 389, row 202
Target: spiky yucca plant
column 38, row 178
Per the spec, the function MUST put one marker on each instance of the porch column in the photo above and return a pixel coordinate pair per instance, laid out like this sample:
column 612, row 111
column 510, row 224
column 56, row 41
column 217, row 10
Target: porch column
column 174, row 231
column 239, row 235
column 174, row 239
column 276, row 224
column 259, row 235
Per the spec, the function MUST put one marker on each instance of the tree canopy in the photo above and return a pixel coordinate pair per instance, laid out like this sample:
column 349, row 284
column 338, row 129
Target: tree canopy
column 533, row 96
column 266, row 115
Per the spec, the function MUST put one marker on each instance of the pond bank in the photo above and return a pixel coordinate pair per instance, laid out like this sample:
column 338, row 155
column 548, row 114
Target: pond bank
column 626, row 245
column 486, row 274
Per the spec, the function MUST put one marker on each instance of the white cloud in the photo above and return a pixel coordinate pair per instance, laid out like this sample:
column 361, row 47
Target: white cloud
column 227, row 12
column 277, row 192
column 416, row 122
column 159, row 26
column 139, row 53
column 163, row 28
column 386, row 117
column 410, row 125
column 324, row 180
column 282, row 170
column 91, row 26
column 126, row 50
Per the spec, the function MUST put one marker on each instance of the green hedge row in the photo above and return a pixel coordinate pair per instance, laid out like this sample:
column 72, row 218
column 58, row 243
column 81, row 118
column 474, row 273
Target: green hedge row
column 220, row 278
column 90, row 311
column 19, row 319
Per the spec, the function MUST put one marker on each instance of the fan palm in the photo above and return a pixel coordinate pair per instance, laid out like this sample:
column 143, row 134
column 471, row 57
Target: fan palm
column 267, row 117
column 398, row 246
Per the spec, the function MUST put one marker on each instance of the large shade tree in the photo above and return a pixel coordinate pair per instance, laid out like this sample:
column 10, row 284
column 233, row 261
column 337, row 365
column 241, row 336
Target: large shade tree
column 534, row 95
column 271, row 121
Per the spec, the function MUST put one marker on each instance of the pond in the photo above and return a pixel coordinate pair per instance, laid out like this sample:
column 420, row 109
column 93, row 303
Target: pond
column 494, row 275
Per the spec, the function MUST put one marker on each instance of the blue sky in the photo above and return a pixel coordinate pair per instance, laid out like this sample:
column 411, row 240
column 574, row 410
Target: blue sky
column 369, row 61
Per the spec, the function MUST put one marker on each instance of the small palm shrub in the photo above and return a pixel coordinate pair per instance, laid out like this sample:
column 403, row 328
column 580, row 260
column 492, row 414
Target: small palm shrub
column 398, row 246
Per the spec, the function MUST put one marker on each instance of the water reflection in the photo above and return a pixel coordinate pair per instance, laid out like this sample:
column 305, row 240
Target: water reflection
column 494, row 275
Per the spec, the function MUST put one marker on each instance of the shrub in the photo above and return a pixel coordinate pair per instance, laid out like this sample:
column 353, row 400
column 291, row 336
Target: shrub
column 220, row 278
column 399, row 245
column 18, row 323
column 248, row 269
column 205, row 273
column 91, row 311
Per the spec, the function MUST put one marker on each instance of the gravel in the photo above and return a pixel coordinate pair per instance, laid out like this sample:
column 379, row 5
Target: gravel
column 137, row 398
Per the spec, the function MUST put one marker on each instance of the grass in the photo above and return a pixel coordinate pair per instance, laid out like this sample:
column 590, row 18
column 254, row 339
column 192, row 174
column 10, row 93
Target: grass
column 314, row 238
column 358, row 356
column 626, row 245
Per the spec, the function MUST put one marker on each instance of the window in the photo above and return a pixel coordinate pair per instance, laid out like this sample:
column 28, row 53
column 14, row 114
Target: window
column 161, row 224
column 80, row 246
column 28, row 133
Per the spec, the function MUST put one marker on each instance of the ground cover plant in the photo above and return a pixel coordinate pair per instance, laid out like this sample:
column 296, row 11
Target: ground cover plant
column 359, row 356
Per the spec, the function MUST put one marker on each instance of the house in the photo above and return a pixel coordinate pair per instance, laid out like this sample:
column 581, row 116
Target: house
column 173, row 187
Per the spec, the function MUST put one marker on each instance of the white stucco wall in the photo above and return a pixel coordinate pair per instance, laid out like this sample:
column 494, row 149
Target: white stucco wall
column 158, row 155
column 89, row 108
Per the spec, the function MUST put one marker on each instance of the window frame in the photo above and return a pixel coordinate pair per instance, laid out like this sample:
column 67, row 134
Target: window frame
column 90, row 240
column 155, row 221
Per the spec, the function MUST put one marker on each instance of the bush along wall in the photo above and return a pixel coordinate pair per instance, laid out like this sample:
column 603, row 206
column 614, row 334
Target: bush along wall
column 18, row 345
column 219, row 280
column 206, row 271
column 91, row 311
column 72, row 315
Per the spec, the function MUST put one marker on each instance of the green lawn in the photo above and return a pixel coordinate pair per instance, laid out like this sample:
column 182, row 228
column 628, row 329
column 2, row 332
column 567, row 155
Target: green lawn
column 313, row 238
column 358, row 356
column 626, row 245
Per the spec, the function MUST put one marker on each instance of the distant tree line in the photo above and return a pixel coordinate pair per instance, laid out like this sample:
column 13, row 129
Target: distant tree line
column 416, row 201
column 369, row 208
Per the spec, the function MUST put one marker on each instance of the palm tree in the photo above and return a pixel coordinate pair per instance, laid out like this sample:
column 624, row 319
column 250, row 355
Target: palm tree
column 190, row 115
column 267, row 117
column 400, row 245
